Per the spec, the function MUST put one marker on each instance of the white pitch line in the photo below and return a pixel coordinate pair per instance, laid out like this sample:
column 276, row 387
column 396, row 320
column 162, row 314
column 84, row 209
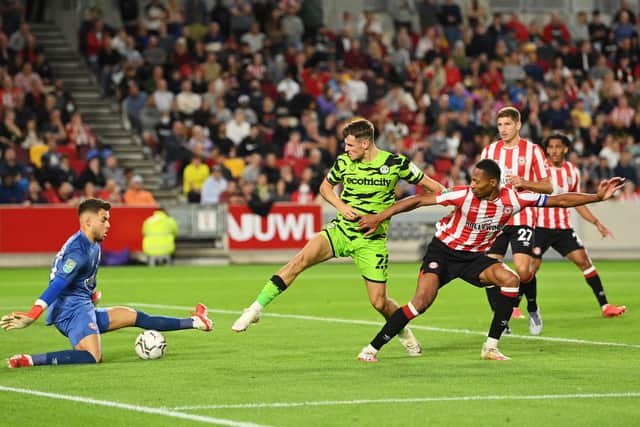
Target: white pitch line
column 410, row 400
column 372, row 323
column 144, row 409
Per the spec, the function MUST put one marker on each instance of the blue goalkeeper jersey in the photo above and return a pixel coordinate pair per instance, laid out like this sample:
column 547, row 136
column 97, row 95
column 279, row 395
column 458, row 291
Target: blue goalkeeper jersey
column 77, row 264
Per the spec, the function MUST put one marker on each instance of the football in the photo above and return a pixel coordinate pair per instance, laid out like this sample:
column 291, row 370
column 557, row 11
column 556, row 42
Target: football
column 151, row 345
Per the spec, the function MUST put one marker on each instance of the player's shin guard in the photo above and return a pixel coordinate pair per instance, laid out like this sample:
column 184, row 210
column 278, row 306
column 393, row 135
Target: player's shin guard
column 394, row 325
column 593, row 280
column 505, row 301
column 66, row 357
column 274, row 287
column 530, row 291
column 162, row 323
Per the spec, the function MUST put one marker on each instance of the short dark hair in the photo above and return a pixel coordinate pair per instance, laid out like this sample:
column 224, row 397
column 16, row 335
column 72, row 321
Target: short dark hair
column 360, row 128
column 93, row 205
column 563, row 138
column 510, row 112
column 490, row 168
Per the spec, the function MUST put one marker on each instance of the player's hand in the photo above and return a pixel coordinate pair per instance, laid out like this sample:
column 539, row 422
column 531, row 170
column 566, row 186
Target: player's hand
column 16, row 320
column 349, row 213
column 604, row 231
column 516, row 181
column 608, row 187
column 369, row 223
column 96, row 296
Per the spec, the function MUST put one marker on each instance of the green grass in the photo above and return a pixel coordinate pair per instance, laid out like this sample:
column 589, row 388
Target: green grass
column 292, row 360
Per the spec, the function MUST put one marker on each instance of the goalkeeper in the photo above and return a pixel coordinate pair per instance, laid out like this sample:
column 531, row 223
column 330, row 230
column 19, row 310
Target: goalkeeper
column 71, row 295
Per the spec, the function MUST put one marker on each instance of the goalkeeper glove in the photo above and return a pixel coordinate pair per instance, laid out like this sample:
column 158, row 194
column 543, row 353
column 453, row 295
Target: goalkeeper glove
column 96, row 296
column 20, row 319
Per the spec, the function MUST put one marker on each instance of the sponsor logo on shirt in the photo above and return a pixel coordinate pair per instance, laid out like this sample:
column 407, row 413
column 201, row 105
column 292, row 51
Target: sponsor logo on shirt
column 382, row 182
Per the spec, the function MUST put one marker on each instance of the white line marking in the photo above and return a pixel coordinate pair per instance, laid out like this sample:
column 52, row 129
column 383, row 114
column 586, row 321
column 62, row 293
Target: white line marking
column 144, row 409
column 409, row 400
column 371, row 323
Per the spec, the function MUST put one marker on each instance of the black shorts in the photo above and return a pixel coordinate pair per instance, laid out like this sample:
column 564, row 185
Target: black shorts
column 521, row 238
column 448, row 264
column 563, row 241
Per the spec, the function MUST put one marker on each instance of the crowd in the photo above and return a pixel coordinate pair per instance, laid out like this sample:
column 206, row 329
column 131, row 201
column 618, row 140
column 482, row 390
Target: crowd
column 245, row 101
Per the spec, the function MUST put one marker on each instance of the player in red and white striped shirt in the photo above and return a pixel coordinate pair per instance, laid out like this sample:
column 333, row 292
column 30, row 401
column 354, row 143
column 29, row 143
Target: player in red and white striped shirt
column 523, row 167
column 458, row 248
column 554, row 228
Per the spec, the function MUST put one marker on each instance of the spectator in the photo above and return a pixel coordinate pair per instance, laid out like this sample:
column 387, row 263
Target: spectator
column 193, row 177
column 136, row 195
column 238, row 128
column 91, row 173
column 303, row 195
column 556, row 32
column 11, row 192
column 201, row 141
column 27, row 79
column 133, row 105
column 626, row 169
column 34, row 195
column 78, row 133
column 111, row 192
column 187, row 102
column 111, row 171
column 213, row 186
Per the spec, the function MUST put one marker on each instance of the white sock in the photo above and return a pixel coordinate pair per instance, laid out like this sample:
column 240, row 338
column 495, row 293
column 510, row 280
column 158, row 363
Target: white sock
column 491, row 343
column 255, row 306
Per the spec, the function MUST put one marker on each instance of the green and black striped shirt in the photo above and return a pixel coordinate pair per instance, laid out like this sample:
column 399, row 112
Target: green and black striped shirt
column 369, row 187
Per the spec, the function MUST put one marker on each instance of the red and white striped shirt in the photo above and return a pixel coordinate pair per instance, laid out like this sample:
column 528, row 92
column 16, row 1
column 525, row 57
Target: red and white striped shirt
column 565, row 178
column 475, row 223
column 525, row 160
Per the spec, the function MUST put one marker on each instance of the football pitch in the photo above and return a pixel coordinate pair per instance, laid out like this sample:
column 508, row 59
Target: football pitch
column 298, row 366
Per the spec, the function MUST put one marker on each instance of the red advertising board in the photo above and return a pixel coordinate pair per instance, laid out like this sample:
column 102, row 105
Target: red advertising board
column 45, row 229
column 287, row 226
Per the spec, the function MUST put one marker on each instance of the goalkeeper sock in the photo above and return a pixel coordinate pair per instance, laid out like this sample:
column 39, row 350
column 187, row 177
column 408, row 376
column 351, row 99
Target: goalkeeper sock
column 505, row 301
column 593, row 280
column 274, row 287
column 66, row 357
column 394, row 325
column 162, row 323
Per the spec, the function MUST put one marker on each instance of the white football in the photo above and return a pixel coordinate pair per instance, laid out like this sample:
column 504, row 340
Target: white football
column 151, row 345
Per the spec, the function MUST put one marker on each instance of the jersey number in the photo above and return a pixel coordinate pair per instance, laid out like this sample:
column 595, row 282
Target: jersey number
column 524, row 234
column 383, row 262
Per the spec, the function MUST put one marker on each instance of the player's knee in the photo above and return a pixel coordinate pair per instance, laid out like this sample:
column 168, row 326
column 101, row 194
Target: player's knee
column 524, row 274
column 583, row 263
column 510, row 281
column 379, row 303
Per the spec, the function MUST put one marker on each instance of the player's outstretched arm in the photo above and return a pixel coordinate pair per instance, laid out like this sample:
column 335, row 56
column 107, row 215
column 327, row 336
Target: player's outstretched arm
column 606, row 189
column 371, row 222
column 430, row 185
column 20, row 319
column 326, row 191
column 588, row 216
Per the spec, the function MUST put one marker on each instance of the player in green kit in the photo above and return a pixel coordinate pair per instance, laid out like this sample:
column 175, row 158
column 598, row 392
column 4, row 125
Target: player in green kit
column 369, row 178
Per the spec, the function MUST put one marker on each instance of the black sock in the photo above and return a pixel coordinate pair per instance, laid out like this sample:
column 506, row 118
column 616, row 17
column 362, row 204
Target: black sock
column 594, row 281
column 501, row 315
column 530, row 290
column 394, row 325
column 492, row 293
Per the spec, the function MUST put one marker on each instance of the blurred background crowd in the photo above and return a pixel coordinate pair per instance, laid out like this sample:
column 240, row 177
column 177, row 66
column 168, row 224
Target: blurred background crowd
column 245, row 100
